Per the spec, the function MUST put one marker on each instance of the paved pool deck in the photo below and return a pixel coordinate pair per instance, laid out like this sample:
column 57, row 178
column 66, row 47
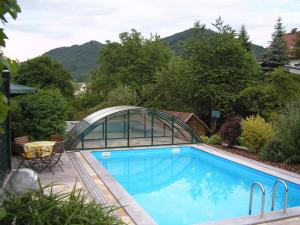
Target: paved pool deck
column 78, row 169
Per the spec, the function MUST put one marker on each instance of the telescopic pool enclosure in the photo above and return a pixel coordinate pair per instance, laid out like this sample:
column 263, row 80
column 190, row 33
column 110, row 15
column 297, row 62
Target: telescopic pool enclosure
column 129, row 126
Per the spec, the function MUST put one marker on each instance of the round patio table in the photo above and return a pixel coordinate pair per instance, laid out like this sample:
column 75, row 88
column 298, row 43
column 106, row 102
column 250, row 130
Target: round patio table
column 38, row 148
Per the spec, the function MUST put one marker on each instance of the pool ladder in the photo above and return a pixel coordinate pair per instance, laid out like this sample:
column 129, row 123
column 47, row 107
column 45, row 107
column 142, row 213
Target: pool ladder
column 273, row 196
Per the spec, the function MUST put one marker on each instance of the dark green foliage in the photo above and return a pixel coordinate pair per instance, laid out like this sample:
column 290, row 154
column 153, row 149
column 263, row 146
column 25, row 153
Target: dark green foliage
column 44, row 72
column 275, row 55
column 43, row 208
column 244, row 39
column 39, row 115
column 266, row 97
column 121, row 95
column 230, row 131
column 221, row 68
column 132, row 62
column 172, row 88
column 285, row 147
column 79, row 60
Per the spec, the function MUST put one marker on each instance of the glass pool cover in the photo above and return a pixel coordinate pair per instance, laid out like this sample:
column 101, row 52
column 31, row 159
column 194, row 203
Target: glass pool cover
column 184, row 185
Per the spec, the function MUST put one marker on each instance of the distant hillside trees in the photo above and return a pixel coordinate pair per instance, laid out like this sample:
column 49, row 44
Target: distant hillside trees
column 44, row 72
column 275, row 55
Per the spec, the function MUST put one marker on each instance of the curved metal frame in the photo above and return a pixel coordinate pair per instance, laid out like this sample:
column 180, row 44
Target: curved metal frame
column 87, row 124
column 285, row 195
column 262, row 198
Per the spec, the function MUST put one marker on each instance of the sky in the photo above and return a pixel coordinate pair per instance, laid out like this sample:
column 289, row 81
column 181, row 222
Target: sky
column 47, row 24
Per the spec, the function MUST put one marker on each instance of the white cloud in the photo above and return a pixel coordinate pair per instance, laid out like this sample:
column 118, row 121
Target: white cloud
column 46, row 24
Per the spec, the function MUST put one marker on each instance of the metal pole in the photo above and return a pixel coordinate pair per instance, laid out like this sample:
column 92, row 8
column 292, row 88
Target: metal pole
column 6, row 84
column 105, row 133
column 152, row 121
column 172, row 130
column 128, row 128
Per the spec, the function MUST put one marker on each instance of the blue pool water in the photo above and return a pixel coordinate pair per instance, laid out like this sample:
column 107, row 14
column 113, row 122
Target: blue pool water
column 183, row 186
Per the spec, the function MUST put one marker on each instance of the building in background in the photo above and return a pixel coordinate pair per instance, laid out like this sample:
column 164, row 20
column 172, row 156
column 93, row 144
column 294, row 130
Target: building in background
column 291, row 39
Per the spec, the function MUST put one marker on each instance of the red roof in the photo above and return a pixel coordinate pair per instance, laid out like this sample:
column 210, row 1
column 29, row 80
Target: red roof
column 185, row 116
column 290, row 39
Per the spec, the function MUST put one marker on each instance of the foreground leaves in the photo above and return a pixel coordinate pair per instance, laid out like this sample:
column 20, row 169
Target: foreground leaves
column 39, row 208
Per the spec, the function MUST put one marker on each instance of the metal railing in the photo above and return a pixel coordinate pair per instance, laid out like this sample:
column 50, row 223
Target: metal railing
column 262, row 210
column 285, row 195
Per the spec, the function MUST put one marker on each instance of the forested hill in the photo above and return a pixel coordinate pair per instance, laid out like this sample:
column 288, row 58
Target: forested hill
column 174, row 40
column 81, row 59
column 78, row 59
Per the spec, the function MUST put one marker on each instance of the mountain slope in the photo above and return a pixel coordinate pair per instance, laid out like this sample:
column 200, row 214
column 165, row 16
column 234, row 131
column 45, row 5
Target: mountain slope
column 78, row 59
column 174, row 41
column 81, row 59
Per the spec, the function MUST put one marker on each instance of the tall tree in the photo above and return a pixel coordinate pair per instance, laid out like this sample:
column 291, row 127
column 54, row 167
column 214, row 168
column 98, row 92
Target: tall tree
column 221, row 69
column 276, row 55
column 131, row 62
column 173, row 87
column 244, row 38
column 44, row 72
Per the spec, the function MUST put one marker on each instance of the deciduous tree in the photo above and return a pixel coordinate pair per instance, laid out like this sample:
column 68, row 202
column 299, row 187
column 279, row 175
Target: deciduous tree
column 44, row 72
column 221, row 68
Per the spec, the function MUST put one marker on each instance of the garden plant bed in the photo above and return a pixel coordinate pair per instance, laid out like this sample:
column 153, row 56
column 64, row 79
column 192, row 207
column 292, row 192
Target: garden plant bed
column 251, row 155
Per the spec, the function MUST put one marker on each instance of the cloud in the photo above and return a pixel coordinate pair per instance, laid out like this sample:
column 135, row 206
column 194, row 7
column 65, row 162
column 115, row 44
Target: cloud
column 46, row 24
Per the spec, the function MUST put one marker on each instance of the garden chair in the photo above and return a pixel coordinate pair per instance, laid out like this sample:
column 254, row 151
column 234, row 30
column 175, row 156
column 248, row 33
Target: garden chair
column 28, row 159
column 56, row 138
column 54, row 159
column 21, row 141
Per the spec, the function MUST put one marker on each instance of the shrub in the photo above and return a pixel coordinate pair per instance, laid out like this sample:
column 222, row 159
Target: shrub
column 38, row 208
column 255, row 132
column 40, row 115
column 204, row 139
column 214, row 140
column 230, row 131
column 285, row 147
column 273, row 150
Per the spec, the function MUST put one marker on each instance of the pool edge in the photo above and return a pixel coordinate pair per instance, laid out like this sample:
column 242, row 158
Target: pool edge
column 141, row 217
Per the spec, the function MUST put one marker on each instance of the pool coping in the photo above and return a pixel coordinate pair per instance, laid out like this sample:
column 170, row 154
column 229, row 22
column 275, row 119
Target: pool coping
column 141, row 217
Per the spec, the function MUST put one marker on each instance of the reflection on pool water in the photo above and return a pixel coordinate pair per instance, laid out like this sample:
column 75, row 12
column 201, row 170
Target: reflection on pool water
column 184, row 185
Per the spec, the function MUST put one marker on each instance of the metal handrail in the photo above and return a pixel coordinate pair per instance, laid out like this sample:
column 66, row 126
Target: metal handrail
column 285, row 195
column 262, row 201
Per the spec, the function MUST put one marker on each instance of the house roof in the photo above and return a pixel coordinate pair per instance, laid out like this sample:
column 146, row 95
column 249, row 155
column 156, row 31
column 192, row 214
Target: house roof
column 290, row 39
column 185, row 116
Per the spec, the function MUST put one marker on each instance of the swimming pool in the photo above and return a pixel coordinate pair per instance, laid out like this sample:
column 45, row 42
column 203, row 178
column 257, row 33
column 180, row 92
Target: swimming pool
column 184, row 185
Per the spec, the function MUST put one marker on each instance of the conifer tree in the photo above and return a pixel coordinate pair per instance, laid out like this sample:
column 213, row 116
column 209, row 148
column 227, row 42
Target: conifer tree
column 276, row 55
column 244, row 39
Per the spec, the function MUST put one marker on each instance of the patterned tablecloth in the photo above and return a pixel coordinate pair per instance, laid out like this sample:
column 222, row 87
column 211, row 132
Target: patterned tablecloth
column 38, row 148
